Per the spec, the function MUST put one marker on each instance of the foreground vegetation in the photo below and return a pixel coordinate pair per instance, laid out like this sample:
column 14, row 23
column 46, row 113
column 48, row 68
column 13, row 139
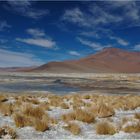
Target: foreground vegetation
column 99, row 110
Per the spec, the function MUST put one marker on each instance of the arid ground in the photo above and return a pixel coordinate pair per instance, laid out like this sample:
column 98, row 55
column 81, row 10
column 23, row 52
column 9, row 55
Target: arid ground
column 69, row 106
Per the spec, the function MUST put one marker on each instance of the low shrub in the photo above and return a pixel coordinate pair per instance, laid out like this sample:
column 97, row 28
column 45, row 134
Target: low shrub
column 73, row 128
column 64, row 106
column 6, row 109
column 84, row 116
column 105, row 128
column 137, row 115
column 41, row 125
column 36, row 112
column 68, row 117
column 22, row 120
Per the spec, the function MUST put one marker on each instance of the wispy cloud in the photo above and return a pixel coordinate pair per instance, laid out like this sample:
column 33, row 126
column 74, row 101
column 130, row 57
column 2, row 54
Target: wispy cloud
column 97, row 15
column 120, row 40
column 10, row 59
column 137, row 47
column 36, row 32
column 76, row 16
column 38, row 38
column 89, row 34
column 4, row 25
column 26, row 9
column 99, row 20
column 94, row 45
column 74, row 53
column 42, row 42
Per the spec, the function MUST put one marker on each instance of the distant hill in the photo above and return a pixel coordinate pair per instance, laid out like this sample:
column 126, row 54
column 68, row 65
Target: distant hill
column 16, row 69
column 107, row 60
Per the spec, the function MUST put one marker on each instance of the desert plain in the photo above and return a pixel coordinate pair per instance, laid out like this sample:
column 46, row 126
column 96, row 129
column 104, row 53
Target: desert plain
column 69, row 106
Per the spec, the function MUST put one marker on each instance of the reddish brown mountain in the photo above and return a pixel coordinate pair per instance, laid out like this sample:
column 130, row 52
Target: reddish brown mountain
column 16, row 69
column 108, row 60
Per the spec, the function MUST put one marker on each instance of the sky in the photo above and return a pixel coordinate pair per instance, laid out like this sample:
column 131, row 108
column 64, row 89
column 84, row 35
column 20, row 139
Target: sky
column 37, row 32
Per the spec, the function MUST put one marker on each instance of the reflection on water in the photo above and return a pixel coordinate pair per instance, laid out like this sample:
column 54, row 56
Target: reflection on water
column 30, row 86
column 64, row 85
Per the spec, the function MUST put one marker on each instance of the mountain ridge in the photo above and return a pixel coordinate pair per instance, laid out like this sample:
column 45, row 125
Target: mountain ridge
column 107, row 60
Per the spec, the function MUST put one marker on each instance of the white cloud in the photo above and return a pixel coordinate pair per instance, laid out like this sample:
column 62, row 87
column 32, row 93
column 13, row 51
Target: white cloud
column 94, row 45
column 24, row 8
column 96, row 17
column 137, row 47
column 107, row 14
column 35, row 32
column 4, row 25
column 76, row 16
column 15, row 59
column 38, row 38
column 42, row 42
column 120, row 40
column 74, row 53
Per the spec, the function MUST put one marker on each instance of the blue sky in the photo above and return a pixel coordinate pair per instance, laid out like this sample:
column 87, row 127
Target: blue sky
column 37, row 32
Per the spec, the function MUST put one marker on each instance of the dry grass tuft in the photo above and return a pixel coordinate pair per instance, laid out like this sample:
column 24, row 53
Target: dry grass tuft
column 6, row 109
column 84, row 116
column 80, row 115
column 130, row 125
column 55, row 101
column 22, row 120
column 102, row 110
column 41, row 125
column 73, row 128
column 64, row 106
column 87, row 96
column 36, row 112
column 105, row 128
column 49, row 120
column 34, row 101
column 44, row 106
column 68, row 117
column 3, row 98
column 137, row 115
column 133, row 127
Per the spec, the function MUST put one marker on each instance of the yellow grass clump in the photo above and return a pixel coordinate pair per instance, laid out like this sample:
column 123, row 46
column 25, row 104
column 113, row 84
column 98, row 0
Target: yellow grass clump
column 3, row 98
column 22, row 120
column 137, row 115
column 64, row 106
column 44, row 106
column 80, row 115
column 41, row 125
column 6, row 109
column 102, row 110
column 68, row 117
column 87, row 96
column 105, row 128
column 84, row 116
column 130, row 125
column 34, row 101
column 55, row 101
column 133, row 127
column 36, row 112
column 73, row 128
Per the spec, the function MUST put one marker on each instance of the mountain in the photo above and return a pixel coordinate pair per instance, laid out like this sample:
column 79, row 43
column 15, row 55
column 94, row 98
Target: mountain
column 107, row 60
column 17, row 69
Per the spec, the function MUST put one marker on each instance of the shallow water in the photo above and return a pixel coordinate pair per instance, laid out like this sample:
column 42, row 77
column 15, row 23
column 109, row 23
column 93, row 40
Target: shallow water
column 31, row 86
column 64, row 85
